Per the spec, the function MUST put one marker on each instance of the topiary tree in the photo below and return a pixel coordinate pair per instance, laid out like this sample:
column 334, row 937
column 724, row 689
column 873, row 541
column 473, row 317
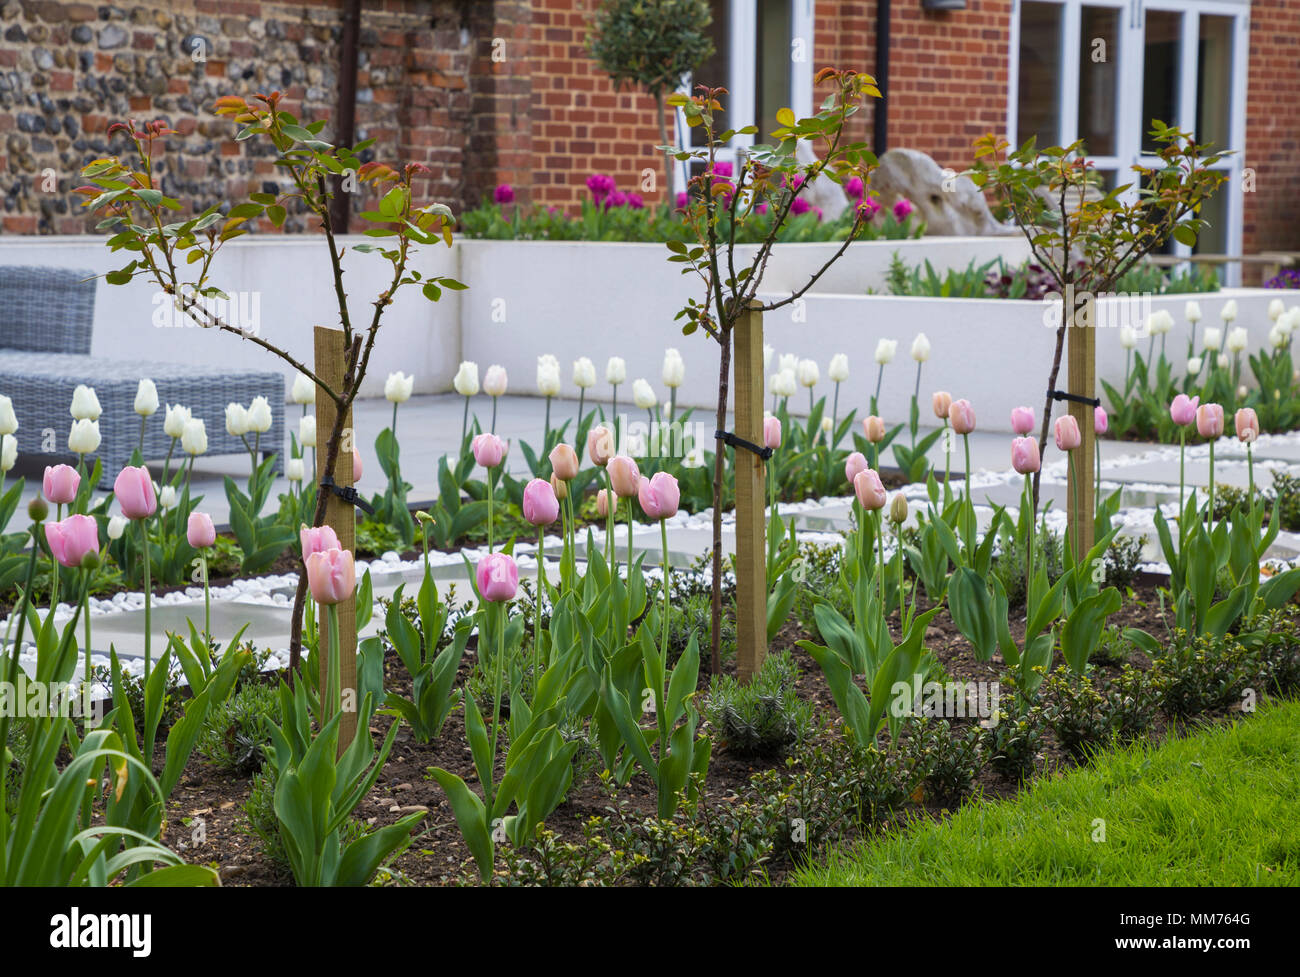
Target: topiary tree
column 652, row 44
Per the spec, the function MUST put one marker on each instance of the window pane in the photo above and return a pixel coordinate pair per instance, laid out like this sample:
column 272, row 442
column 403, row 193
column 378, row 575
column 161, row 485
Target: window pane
column 1214, row 238
column 1160, row 72
column 1038, row 102
column 1098, row 73
column 715, row 72
column 1214, row 81
column 772, row 64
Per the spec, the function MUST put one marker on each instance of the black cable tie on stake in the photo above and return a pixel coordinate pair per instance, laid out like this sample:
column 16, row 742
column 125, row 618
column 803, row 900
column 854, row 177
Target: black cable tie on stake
column 1077, row 398
column 738, row 442
column 348, row 494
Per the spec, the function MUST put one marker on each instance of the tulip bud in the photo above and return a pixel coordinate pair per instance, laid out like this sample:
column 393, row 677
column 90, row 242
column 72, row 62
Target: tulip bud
column 838, row 371
column 808, row 374
column 885, row 350
column 1068, row 436
column 898, row 508
column 548, row 375
column 564, row 462
column 91, row 561
column 1247, row 425
column 1022, row 420
column 495, row 380
column 304, row 390
column 674, row 371
column 584, row 373
column 1209, row 420
column 560, row 487
column 37, row 509
column 920, row 348
column 772, row 432
column 465, row 382
column 941, row 401
column 146, row 398
column 869, row 490
column 624, row 476
column 873, row 428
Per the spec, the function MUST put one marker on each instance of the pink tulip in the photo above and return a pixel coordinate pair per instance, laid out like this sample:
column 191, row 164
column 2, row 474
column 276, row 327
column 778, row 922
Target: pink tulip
column 962, row 416
column 869, row 490
column 488, row 450
column 624, row 476
column 1183, row 409
column 853, row 464
column 134, row 491
column 498, row 577
column 331, row 576
column 317, row 539
column 60, row 484
column 564, row 462
column 1209, row 420
column 1024, row 455
column 602, row 503
column 1247, row 424
column 1022, row 420
column 1100, row 420
column 356, row 466
column 874, row 429
column 200, row 531
column 941, row 401
column 772, row 432
column 541, row 507
column 1067, row 433
column 73, row 538
column 600, row 445
column 659, row 496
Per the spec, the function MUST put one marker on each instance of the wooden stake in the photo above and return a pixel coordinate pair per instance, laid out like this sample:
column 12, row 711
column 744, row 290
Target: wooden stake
column 331, row 355
column 751, row 483
column 1082, row 365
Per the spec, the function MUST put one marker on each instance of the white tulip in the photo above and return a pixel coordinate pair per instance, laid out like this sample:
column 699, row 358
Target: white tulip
column 1229, row 310
column 920, row 348
column 8, row 452
column 636, row 444
column 304, row 390
column 466, row 380
column 117, row 526
column 1277, row 335
column 259, row 415
column 1242, row 392
column 584, row 373
column 85, row 405
column 236, row 420
column 1288, row 320
column 808, row 374
column 1159, row 323
column 1238, row 339
column 174, row 422
column 826, row 425
column 146, row 398
column 1275, row 309
column 1192, row 312
column 1127, row 337
column 1213, row 337
column 885, row 350
column 783, row 383
column 167, row 497
column 767, row 356
column 1194, row 366
column 615, row 370
column 694, row 458
column 194, row 439
column 495, row 380
column 674, row 372
column 788, row 361
column 398, row 387
column 84, row 437
column 548, row 376
column 838, row 371
column 643, row 395
column 293, row 470
column 307, row 430
column 8, row 419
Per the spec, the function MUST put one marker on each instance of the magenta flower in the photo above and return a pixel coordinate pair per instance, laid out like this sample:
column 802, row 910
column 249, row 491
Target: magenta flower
column 504, row 194
column 601, row 186
column 902, row 209
column 853, row 187
column 723, row 169
column 682, row 200
column 761, row 208
column 635, row 201
column 800, row 206
column 868, row 208
column 617, row 198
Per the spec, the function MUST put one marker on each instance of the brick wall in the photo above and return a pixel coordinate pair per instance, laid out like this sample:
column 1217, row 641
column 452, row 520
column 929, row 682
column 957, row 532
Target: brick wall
column 1272, row 211
column 67, row 70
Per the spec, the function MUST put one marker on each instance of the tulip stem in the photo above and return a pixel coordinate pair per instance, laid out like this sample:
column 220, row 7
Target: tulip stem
column 333, row 691
column 541, row 592
column 85, row 612
column 491, row 494
column 499, row 625
column 880, row 546
column 970, row 503
column 464, row 426
column 1029, row 541
column 582, row 396
column 835, row 409
column 546, row 436
column 1096, row 495
column 880, row 375
column 672, row 404
column 1078, row 528
column 11, row 669
column 609, row 522
column 613, row 412
column 140, row 446
column 629, row 538
column 1182, row 457
column 494, row 415
column 947, row 462
column 1209, row 512
column 207, row 599
column 1250, row 469
column 902, row 592
column 148, row 602
column 54, row 572
column 663, row 542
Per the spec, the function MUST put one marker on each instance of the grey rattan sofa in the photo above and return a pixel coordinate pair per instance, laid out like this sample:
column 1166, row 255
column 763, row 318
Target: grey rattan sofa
column 46, row 318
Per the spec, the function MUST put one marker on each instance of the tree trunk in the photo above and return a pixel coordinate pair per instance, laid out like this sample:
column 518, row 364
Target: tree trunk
column 719, row 465
column 1051, row 385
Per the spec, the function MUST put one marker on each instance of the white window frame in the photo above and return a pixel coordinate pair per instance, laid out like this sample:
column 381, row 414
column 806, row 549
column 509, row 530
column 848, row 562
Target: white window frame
column 1128, row 121
column 742, row 99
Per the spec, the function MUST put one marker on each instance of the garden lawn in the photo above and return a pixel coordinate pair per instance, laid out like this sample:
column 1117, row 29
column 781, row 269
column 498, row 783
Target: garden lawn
column 1221, row 807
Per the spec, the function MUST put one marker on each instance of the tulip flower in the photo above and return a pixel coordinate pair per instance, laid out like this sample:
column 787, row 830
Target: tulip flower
column 1247, row 423
column 1275, row 309
column 941, row 401
column 1025, row 460
column 8, row 419
column 772, row 432
column 194, row 439
column 167, row 498
column 356, row 466
column 494, row 385
column 201, row 534
column 294, row 470
column 85, row 405
column 564, row 462
column 784, row 384
column 8, row 456
column 72, row 538
column 584, row 377
column 497, row 576
column 540, row 506
column 643, row 395
column 1068, row 436
column 602, row 502
column 117, row 526
column 559, row 487
column 871, row 496
column 488, row 449
column 1192, row 312
column 1024, row 455
column 1022, row 420
column 146, row 404
column 174, row 421
column 1100, row 424
column 853, row 465
column 1209, row 424
column 869, row 489
column 60, row 484
column 1194, row 365
column 84, row 438
column 885, row 350
column 465, row 383
column 133, row 489
column 304, row 391
column 624, row 476
column 962, row 416
column 600, row 445
column 1213, row 338
column 838, row 370
column 659, row 495
column 236, row 420
column 898, row 509
column 1182, row 412
column 332, row 579
column 674, row 369
column 317, row 539
column 920, row 348
column 399, row 387
column 1229, row 310
column 1235, row 343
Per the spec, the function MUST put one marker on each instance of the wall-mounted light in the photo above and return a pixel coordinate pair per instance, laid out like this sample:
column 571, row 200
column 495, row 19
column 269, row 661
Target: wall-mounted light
column 943, row 4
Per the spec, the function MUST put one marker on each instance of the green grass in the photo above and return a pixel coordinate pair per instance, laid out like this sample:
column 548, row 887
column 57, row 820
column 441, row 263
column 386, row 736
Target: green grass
column 1219, row 808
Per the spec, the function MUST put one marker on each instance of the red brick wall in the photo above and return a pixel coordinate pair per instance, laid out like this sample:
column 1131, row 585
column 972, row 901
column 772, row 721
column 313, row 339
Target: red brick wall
column 1272, row 211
